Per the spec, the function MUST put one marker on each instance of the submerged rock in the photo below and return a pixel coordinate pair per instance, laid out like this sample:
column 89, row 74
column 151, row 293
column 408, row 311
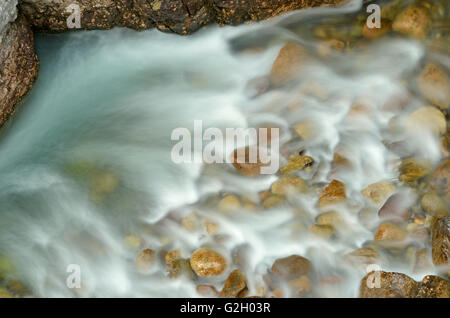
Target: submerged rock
column 296, row 164
column 413, row 21
column 234, row 285
column 434, row 85
column 440, row 242
column 145, row 261
column 390, row 232
column 333, row 194
column 397, row 206
column 324, row 231
column 291, row 267
column 378, row 192
column 412, row 170
column 433, row 287
column 288, row 63
column 426, row 120
column 440, row 179
column 207, row 262
column 286, row 184
column 434, row 204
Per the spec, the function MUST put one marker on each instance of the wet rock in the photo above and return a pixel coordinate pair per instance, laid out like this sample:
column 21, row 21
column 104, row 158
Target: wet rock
column 387, row 285
column 235, row 12
column 296, row 164
column 285, row 185
column 426, row 120
column 191, row 221
column 440, row 179
column 145, row 261
column 333, row 194
column 422, row 261
column 291, row 267
column 378, row 192
column 362, row 256
column 181, row 267
column 306, row 129
column 288, row 64
column 207, row 262
column 434, row 85
column 390, row 232
column 413, row 21
column 322, row 231
column 300, row 286
column 103, row 184
column 434, row 204
column 440, row 242
column 19, row 62
column 433, row 287
column 234, row 285
column 229, row 203
column 211, row 228
column 326, row 48
column 272, row 201
column 172, row 256
column 243, row 164
column 330, row 218
column 207, row 291
column 375, row 33
column 397, row 206
column 412, row 170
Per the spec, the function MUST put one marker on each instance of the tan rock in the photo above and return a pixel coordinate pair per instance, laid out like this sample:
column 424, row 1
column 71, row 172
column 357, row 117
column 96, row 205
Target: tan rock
column 362, row 256
column 440, row 242
column 426, row 119
column 412, row 170
column 288, row 64
column 330, row 218
column 323, row 231
column 296, row 164
column 390, row 232
column 229, row 203
column 211, row 228
column 413, row 21
column 433, row 287
column 375, row 33
column 396, row 207
column 191, row 221
column 244, row 162
column 181, row 267
column 286, row 184
column 172, row 256
column 234, row 285
column 434, row 204
column 387, row 285
column 272, row 201
column 291, row 267
column 333, row 194
column 102, row 184
column 434, row 85
column 300, row 286
column 4, row 293
column 307, row 129
column 440, row 179
column 207, row 291
column 422, row 261
column 145, row 261
column 207, row 262
column 378, row 192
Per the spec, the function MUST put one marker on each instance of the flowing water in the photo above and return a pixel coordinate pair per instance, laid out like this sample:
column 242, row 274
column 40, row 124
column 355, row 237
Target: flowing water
column 86, row 167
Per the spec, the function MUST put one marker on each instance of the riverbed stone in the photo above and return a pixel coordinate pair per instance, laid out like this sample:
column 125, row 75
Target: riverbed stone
column 390, row 232
column 440, row 242
column 434, row 84
column 234, row 285
column 426, row 119
column 291, row 267
column 288, row 64
column 145, row 261
column 207, row 262
column 440, row 179
column 297, row 163
column 412, row 170
column 288, row 184
column 413, row 21
column 378, row 192
column 433, row 287
column 333, row 194
column 434, row 204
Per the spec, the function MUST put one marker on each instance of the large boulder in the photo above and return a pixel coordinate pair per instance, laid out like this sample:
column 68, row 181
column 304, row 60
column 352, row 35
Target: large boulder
column 179, row 16
column 19, row 63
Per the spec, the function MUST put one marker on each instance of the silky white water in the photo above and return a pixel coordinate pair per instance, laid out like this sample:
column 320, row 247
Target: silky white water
column 104, row 107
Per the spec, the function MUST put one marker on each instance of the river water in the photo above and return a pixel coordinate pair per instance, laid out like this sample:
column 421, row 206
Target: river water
column 86, row 163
